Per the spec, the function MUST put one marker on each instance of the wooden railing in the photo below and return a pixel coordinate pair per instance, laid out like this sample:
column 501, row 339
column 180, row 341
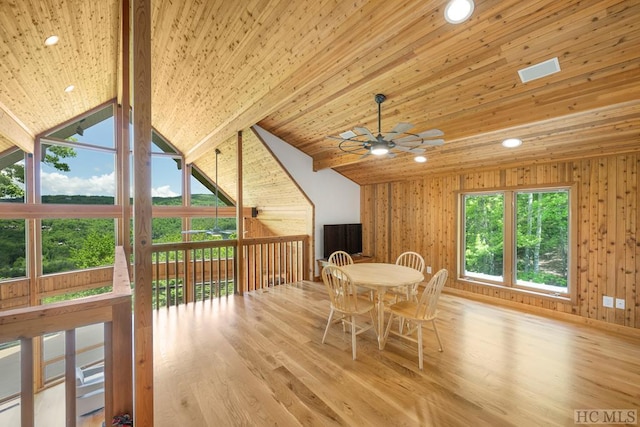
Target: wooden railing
column 197, row 271
column 274, row 261
column 112, row 309
column 182, row 272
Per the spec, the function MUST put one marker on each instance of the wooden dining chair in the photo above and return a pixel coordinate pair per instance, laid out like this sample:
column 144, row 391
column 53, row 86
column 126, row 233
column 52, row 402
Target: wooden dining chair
column 414, row 314
column 345, row 303
column 340, row 258
column 408, row 292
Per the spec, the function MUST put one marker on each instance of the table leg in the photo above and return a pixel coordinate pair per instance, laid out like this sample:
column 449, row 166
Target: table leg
column 380, row 298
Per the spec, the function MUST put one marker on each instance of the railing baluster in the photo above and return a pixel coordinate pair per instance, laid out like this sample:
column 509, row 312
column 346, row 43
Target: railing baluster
column 26, row 376
column 203, row 269
column 167, row 263
column 212, row 284
column 70, row 376
column 156, row 303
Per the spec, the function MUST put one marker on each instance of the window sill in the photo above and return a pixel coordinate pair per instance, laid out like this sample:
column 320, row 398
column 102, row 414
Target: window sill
column 566, row 298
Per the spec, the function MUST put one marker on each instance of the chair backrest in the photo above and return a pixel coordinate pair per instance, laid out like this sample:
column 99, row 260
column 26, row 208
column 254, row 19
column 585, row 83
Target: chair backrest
column 429, row 299
column 339, row 286
column 411, row 259
column 340, row 258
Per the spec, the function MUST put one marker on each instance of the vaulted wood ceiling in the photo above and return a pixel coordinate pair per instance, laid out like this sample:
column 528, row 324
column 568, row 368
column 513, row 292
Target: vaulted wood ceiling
column 304, row 70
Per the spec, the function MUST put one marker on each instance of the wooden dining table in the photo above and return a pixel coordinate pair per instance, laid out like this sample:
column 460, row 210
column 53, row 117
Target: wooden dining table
column 380, row 277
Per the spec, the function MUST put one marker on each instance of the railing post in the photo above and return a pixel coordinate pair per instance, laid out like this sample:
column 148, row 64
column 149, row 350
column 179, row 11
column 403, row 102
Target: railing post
column 26, row 377
column 118, row 362
column 70, row 376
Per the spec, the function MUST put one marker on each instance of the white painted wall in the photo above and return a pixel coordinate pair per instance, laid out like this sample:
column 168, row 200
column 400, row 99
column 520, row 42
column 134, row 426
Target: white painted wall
column 336, row 198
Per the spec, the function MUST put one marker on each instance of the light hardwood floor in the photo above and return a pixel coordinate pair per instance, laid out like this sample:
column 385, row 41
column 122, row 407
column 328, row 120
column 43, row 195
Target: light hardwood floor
column 49, row 410
column 257, row 360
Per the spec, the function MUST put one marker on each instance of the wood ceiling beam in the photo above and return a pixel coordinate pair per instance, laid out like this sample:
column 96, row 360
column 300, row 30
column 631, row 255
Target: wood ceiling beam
column 15, row 131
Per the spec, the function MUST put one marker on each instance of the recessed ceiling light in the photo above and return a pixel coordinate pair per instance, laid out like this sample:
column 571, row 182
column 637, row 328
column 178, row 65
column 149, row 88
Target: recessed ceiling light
column 511, row 142
column 69, row 88
column 458, row 11
column 51, row 40
column 420, row 159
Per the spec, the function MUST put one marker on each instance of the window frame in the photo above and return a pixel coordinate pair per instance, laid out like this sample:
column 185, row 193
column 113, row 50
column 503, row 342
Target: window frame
column 509, row 276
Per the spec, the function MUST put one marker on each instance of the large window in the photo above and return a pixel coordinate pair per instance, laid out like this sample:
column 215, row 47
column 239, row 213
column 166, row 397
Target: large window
column 78, row 162
column 77, row 243
column 517, row 238
column 13, row 248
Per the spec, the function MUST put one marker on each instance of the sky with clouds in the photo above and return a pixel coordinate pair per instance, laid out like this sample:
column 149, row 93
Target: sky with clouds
column 92, row 173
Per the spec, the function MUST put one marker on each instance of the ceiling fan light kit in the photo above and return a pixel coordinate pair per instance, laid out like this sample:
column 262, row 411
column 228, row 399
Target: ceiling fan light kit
column 379, row 148
column 362, row 141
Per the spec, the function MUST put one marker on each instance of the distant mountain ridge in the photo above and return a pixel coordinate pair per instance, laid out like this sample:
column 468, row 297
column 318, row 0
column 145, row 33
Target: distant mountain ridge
column 196, row 200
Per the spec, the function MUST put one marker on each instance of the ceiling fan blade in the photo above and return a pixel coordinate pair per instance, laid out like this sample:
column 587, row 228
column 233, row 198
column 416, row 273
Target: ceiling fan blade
column 430, row 133
column 365, row 154
column 390, row 155
column 419, row 142
column 398, row 130
column 366, row 132
column 413, row 150
column 422, row 135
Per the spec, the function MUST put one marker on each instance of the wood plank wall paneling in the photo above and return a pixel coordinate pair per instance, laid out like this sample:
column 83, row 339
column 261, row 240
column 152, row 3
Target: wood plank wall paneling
column 62, row 283
column 14, row 293
column 420, row 215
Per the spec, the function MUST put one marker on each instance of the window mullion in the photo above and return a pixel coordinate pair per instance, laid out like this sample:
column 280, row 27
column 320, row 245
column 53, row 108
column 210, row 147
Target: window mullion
column 509, row 239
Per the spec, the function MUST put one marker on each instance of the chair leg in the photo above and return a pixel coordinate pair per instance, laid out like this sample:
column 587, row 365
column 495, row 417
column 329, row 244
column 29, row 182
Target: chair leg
column 328, row 323
column 388, row 328
column 433, row 322
column 353, row 336
column 420, row 346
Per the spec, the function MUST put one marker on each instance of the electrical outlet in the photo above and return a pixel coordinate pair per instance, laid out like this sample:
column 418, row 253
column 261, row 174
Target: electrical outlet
column 620, row 303
column 607, row 301
column 428, row 269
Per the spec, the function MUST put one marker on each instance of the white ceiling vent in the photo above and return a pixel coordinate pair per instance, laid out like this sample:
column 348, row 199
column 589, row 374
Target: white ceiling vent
column 537, row 71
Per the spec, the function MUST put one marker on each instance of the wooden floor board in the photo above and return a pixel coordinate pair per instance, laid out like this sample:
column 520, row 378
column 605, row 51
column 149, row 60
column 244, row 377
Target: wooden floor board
column 258, row 360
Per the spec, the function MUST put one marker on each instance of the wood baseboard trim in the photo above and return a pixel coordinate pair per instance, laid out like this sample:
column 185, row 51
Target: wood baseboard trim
column 620, row 329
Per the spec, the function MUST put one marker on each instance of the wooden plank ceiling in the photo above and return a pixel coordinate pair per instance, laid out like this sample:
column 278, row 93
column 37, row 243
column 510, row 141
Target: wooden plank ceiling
column 306, row 70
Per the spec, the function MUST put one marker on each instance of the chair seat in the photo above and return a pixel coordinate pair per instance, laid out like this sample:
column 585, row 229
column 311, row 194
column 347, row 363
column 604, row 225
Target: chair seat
column 362, row 306
column 403, row 292
column 407, row 309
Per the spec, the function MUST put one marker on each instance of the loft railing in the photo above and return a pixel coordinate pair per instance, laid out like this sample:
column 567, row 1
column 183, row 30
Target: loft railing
column 198, row 271
column 271, row 261
column 192, row 271
column 182, row 272
column 113, row 309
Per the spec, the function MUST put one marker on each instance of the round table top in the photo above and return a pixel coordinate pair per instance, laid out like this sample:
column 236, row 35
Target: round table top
column 384, row 275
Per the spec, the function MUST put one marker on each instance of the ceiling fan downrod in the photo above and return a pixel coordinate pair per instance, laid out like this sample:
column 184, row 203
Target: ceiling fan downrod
column 380, row 98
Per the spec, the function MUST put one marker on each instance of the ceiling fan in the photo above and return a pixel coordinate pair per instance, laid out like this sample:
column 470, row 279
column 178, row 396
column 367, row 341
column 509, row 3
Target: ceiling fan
column 362, row 141
column 215, row 231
